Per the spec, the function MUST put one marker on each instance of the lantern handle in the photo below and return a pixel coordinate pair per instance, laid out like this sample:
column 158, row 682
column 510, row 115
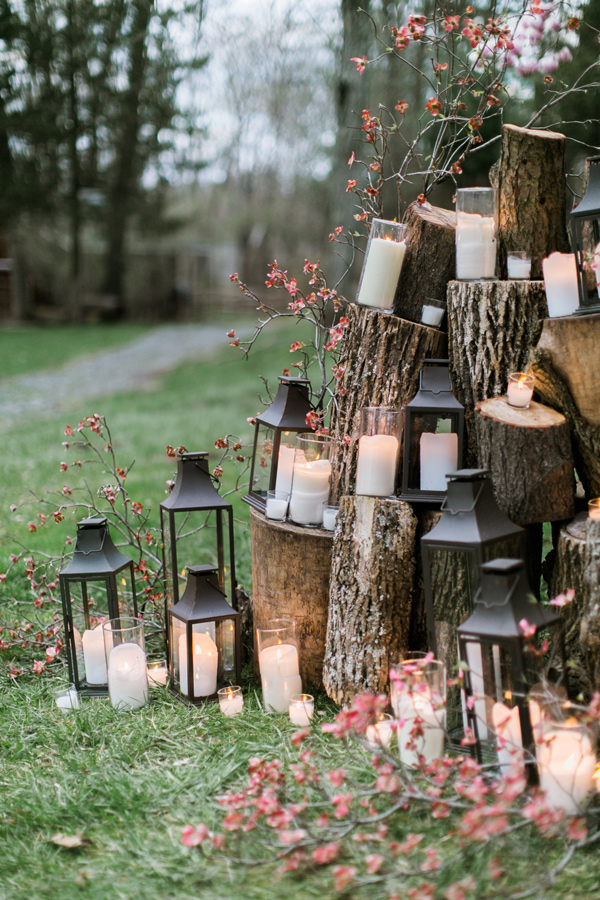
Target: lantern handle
column 93, row 549
column 505, row 602
column 468, row 509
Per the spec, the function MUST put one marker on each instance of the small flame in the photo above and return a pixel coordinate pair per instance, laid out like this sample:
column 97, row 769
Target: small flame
column 508, row 695
column 522, row 379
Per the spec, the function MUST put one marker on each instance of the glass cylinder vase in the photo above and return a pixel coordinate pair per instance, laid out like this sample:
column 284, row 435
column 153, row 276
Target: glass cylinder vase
column 126, row 663
column 476, row 230
column 566, row 764
column 382, row 265
column 279, row 663
column 311, row 478
column 378, row 449
column 418, row 697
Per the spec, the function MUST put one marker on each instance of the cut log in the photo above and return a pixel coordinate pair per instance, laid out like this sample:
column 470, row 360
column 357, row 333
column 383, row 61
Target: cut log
column 573, row 344
column 492, row 326
column 290, row 578
column 590, row 622
column 430, row 260
column 532, row 203
column 371, row 595
column 381, row 359
column 528, row 453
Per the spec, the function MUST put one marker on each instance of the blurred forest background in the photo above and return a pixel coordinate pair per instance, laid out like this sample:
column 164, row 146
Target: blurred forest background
column 149, row 148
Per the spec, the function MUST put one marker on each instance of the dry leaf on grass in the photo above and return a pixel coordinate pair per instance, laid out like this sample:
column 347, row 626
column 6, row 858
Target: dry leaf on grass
column 70, row 841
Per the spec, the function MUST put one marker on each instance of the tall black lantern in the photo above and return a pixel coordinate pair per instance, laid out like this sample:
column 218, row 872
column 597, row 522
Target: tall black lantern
column 585, row 234
column 500, row 644
column 195, row 518
column 433, row 435
column 204, row 638
column 276, row 428
column 91, row 592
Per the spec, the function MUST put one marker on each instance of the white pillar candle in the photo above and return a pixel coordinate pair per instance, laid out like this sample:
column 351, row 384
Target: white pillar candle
column 381, row 272
column 414, row 707
column 301, row 709
column 438, row 457
column 285, row 469
column 158, row 673
column 127, row 677
column 330, row 514
column 475, row 246
column 205, row 661
column 432, row 315
column 507, row 727
column 520, row 391
column 376, row 467
column 475, row 663
column 380, row 733
column 94, row 656
column 310, row 491
column 279, row 675
column 68, row 700
column 560, row 282
column 566, row 763
column 231, row 701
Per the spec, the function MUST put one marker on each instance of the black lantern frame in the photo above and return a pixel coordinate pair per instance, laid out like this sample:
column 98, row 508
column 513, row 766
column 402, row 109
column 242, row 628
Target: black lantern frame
column 204, row 638
column 433, row 411
column 194, row 491
column 286, row 416
column 504, row 661
column 585, row 219
column 94, row 566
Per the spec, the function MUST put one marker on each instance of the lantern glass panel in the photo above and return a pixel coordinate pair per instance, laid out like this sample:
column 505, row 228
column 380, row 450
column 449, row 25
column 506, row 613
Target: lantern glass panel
column 434, row 449
column 199, row 535
column 262, row 462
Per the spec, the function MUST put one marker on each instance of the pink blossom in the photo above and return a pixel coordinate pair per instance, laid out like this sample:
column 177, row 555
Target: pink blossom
column 192, row 836
column 361, row 62
column 374, row 862
column 563, row 599
column 343, row 875
column 336, row 777
column 527, row 629
column 326, row 853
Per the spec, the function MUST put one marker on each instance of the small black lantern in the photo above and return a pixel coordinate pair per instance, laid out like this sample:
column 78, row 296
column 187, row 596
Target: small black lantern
column 90, row 591
column 585, row 235
column 275, row 432
column 501, row 644
column 433, row 435
column 204, row 638
column 193, row 504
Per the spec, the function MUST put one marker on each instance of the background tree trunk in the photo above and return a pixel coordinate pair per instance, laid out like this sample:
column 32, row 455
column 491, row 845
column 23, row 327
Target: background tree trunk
column 590, row 622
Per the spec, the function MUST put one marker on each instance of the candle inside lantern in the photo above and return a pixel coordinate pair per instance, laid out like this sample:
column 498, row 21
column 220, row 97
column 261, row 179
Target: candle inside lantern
column 507, row 726
column 594, row 508
column 520, row 389
column 127, row 677
column 310, row 490
column 285, row 469
column 475, row 246
column 438, row 456
column 377, row 463
column 560, row 282
column 205, row 660
column 279, row 675
column 379, row 734
column 566, row 763
column 301, row 709
column 94, row 656
column 381, row 272
column 231, row 700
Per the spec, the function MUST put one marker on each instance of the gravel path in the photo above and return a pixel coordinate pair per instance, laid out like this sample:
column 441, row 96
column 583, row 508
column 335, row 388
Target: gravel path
column 108, row 372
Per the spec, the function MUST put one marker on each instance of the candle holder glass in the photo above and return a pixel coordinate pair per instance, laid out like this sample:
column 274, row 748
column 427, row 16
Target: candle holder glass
column 158, row 672
column 382, row 265
column 278, row 663
column 66, row 698
column 231, row 700
column 311, row 479
column 418, row 696
column 277, row 505
column 520, row 389
column 476, row 230
column 126, row 663
column 330, row 514
column 379, row 734
column 518, row 265
column 433, row 312
column 378, row 450
column 301, row 709
column 594, row 508
column 567, row 763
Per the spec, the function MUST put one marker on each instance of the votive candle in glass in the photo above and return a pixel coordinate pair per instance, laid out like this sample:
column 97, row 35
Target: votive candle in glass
column 158, row 672
column 379, row 734
column 301, row 709
column 594, row 508
column 66, row 698
column 518, row 265
column 330, row 514
column 277, row 505
column 433, row 312
column 520, row 389
column 566, row 764
column 384, row 256
column 231, row 700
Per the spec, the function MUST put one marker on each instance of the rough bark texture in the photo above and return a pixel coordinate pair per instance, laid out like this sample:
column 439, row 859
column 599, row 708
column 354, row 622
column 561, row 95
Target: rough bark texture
column 567, row 573
column 244, row 605
column 585, row 437
column 492, row 326
column 382, row 357
column 419, row 639
column 590, row 622
column 371, row 595
column 430, row 261
column 572, row 343
column 290, row 575
column 531, row 195
column 528, row 453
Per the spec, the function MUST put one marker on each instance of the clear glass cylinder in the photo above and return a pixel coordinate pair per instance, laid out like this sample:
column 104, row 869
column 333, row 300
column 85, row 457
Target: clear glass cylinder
column 126, row 663
column 301, row 709
column 566, row 764
column 433, row 312
column 384, row 256
column 279, row 663
column 231, row 700
column 378, row 451
column 311, row 479
column 419, row 703
column 476, row 230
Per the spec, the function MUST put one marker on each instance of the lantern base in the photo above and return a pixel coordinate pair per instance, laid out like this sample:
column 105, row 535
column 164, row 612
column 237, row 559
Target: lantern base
column 584, row 310
column 434, row 498
column 92, row 691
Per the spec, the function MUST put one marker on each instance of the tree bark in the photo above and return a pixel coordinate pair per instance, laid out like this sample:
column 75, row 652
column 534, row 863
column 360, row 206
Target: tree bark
column 532, row 208
column 491, row 328
column 430, row 260
column 590, row 623
column 371, row 595
column 381, row 359
column 528, row 453
column 290, row 578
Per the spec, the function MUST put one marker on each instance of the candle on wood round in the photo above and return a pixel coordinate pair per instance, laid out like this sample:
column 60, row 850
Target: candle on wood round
column 384, row 256
column 520, row 389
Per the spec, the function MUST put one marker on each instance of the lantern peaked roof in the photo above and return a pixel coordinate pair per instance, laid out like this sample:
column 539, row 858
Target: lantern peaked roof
column 94, row 554
column 589, row 205
column 202, row 598
column 194, row 486
column 435, row 388
column 289, row 408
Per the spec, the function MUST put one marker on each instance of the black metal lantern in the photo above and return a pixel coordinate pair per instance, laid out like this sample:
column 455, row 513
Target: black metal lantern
column 90, row 593
column 585, row 235
column 433, row 435
column 276, row 428
column 195, row 518
column 204, row 638
column 500, row 643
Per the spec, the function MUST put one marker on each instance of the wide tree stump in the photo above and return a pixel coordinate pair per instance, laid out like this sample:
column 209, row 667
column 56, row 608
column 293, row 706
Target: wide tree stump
column 572, row 343
column 492, row 325
column 381, row 358
column 590, row 621
column 290, row 578
column 371, row 595
column 568, row 573
column 532, row 207
column 430, row 260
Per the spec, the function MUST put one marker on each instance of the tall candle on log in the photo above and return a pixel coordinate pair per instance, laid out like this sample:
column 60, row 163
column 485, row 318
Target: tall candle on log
column 476, row 228
column 310, row 484
column 378, row 447
column 383, row 262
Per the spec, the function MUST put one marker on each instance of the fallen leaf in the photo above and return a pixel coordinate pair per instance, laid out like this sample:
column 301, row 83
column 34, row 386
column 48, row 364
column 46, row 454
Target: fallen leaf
column 70, row 841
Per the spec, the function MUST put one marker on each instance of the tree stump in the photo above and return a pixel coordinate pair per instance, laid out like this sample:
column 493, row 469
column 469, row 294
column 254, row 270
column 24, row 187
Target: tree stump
column 492, row 326
column 430, row 261
column 290, row 577
column 381, row 359
column 590, row 622
column 371, row 594
column 532, row 207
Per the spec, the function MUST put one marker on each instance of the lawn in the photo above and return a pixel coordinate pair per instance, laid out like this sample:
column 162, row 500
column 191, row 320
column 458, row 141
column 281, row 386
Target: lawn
column 125, row 784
